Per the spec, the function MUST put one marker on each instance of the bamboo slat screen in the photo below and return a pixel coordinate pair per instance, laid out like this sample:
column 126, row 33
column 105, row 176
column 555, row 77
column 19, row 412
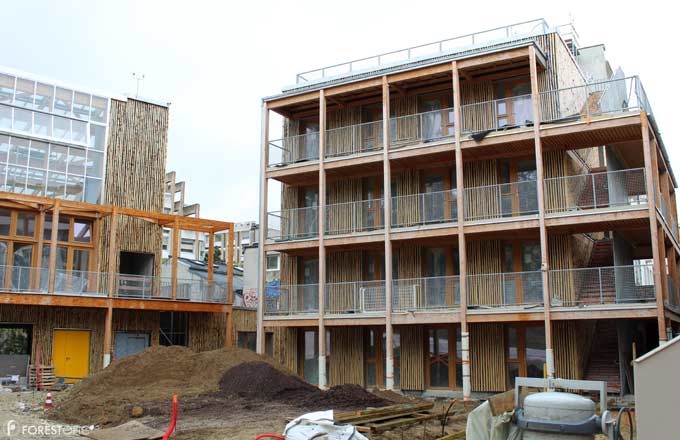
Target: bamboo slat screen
column 343, row 267
column 289, row 270
column 288, row 355
column 289, row 198
column 291, row 145
column 347, row 356
column 206, row 331
column 557, row 195
column 567, row 350
column 560, row 257
column 484, row 256
column 135, row 177
column 412, row 357
column 406, row 208
column 45, row 319
column 409, row 262
column 340, row 142
column 487, row 357
column 481, row 204
column 403, row 129
column 344, row 215
column 477, row 117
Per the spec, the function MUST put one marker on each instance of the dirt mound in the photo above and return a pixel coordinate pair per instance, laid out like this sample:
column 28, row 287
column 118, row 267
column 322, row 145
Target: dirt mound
column 261, row 381
column 154, row 374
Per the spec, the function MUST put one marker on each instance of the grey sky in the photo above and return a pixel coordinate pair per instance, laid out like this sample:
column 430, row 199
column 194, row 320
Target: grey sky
column 214, row 61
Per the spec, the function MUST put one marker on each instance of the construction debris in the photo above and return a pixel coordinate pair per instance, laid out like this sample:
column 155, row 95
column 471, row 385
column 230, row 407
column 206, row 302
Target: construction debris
column 389, row 417
column 128, row 431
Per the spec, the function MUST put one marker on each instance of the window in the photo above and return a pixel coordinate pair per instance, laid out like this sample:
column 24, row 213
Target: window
column 5, row 117
column 15, row 339
column 44, row 96
column 62, row 102
column 273, row 262
column 524, row 352
column 25, row 224
column 98, row 109
column 24, row 93
column 22, row 120
column 6, row 88
column 82, row 230
column 5, row 218
column 247, row 340
column 173, row 328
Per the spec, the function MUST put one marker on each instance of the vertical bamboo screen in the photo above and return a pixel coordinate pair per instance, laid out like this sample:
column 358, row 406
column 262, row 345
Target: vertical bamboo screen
column 291, row 145
column 572, row 341
column 343, row 267
column 406, row 209
column 481, row 203
column 206, row 331
column 412, row 358
column 344, row 215
column 478, row 117
column 487, row 363
column 484, row 256
column 339, row 142
column 347, row 356
column 135, row 177
column 403, row 129
column 560, row 257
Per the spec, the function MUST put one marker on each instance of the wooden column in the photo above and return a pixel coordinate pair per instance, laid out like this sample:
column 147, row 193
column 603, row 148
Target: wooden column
column 211, row 262
column 53, row 245
column 176, row 250
column 261, row 277
column 462, row 247
column 538, row 150
column 387, row 215
column 108, row 335
column 229, row 338
column 113, row 238
column 40, row 226
column 323, row 380
column 651, row 177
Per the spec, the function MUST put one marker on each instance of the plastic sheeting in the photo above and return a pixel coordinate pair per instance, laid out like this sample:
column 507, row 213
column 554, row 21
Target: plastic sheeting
column 321, row 424
column 483, row 425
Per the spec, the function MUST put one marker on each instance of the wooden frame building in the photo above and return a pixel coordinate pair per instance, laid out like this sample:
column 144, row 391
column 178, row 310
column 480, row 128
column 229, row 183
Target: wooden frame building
column 468, row 215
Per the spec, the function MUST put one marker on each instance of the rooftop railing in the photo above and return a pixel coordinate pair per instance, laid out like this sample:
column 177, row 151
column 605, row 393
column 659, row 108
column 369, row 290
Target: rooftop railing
column 426, row 294
column 424, row 209
column 509, row 289
column 501, row 201
column 355, row 217
column 356, row 297
column 300, row 299
column 602, row 285
column 609, row 189
column 456, row 44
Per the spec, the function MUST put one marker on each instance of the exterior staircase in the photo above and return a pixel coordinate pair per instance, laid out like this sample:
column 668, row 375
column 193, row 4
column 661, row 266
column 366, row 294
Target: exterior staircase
column 590, row 284
column 604, row 357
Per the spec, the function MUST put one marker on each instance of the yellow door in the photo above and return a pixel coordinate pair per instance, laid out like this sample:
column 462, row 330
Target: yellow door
column 71, row 354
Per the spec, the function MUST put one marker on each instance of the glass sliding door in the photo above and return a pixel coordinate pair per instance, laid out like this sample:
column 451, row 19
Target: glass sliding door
column 310, row 359
column 435, row 284
column 310, row 285
column 438, row 358
column 527, row 191
column 532, row 283
column 433, row 199
column 310, row 214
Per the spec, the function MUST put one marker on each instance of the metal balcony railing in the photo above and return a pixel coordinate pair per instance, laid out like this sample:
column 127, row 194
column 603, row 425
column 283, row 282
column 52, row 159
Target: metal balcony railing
column 354, row 139
column 507, row 289
column 133, row 286
column 423, row 127
column 353, row 298
column 354, row 217
column 596, row 191
column 293, row 224
column 194, row 290
column 293, row 149
column 77, row 282
column 600, row 98
column 602, row 285
column 299, row 299
column 426, row 294
column 501, row 201
column 424, row 209
column 477, row 40
column 497, row 114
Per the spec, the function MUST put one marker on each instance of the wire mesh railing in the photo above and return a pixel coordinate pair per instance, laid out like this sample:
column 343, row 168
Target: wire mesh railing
column 355, row 297
column 426, row 294
column 355, row 217
column 596, row 190
column 299, row 299
column 354, row 139
column 602, row 285
column 508, row 289
column 424, row 208
column 498, row 114
column 293, row 149
column 293, row 224
column 464, row 42
column 595, row 99
column 430, row 126
column 501, row 201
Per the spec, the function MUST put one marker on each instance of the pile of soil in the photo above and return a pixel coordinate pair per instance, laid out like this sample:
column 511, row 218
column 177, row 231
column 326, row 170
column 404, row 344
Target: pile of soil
column 262, row 381
column 152, row 375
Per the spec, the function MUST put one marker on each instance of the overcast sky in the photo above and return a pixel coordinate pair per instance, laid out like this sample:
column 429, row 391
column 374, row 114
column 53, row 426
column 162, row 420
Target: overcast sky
column 214, row 61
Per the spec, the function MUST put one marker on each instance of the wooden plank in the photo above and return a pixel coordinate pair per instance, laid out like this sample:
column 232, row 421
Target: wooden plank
column 53, row 246
column 454, row 436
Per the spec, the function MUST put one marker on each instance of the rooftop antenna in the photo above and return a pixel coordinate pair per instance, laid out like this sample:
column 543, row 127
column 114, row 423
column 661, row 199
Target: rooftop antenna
column 139, row 77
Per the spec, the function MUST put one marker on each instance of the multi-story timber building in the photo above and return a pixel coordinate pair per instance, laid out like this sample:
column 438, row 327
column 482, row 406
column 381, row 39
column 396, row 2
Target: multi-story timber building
column 458, row 214
column 82, row 178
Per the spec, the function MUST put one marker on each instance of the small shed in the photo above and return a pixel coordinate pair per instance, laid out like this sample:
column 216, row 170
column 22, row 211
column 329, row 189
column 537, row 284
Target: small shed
column 657, row 391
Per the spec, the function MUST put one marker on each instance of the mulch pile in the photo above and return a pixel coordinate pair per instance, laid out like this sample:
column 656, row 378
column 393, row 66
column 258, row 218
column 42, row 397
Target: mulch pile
column 206, row 381
column 261, row 381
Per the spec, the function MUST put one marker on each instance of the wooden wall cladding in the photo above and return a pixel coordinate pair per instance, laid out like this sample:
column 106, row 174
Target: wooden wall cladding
column 135, row 176
column 572, row 341
column 346, row 363
column 487, row 357
column 412, row 358
column 484, row 257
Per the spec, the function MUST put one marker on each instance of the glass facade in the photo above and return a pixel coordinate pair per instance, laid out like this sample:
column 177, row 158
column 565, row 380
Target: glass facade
column 52, row 140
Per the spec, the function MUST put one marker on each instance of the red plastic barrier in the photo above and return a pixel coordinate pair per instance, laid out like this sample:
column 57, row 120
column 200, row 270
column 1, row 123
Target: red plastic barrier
column 261, row 436
column 173, row 422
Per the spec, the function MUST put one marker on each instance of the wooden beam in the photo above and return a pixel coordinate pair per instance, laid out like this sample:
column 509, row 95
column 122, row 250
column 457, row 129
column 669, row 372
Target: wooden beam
column 387, row 202
column 108, row 335
column 53, row 246
column 40, row 226
column 176, row 251
column 323, row 380
column 261, row 251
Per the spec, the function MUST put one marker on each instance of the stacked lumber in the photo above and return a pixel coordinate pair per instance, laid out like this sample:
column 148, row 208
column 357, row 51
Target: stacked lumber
column 374, row 420
column 47, row 376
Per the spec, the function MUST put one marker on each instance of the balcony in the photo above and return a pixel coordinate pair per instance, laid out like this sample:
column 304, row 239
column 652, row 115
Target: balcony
column 480, row 119
column 293, row 300
column 506, row 200
column 612, row 189
column 293, row 224
column 592, row 286
column 424, row 209
column 355, row 217
column 426, row 294
column 503, row 290
column 29, row 280
column 355, row 298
